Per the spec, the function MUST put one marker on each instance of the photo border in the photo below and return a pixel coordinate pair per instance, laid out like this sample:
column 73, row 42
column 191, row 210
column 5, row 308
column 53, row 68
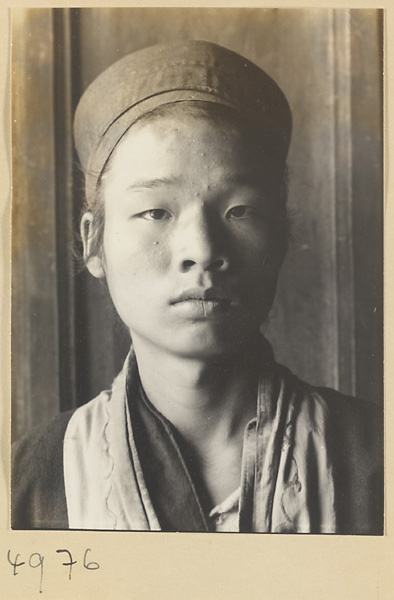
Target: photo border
column 192, row 566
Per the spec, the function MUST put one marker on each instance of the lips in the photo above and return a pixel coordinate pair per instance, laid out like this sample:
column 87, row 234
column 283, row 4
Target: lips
column 207, row 303
column 202, row 295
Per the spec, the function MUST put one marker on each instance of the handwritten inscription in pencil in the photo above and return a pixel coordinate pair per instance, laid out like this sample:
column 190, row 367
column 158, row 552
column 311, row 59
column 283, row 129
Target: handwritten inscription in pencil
column 36, row 561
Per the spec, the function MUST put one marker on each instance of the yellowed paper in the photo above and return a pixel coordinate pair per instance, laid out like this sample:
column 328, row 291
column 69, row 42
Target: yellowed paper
column 144, row 566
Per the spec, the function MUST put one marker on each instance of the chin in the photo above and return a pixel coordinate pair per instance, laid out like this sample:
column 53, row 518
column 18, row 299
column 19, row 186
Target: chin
column 211, row 346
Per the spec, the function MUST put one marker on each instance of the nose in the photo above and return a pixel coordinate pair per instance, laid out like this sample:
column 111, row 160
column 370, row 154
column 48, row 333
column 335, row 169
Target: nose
column 201, row 244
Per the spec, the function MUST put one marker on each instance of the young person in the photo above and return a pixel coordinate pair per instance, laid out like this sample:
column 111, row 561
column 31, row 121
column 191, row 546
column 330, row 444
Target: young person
column 184, row 149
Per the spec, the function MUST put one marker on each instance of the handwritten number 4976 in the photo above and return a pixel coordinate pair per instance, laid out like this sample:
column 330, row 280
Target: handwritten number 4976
column 36, row 561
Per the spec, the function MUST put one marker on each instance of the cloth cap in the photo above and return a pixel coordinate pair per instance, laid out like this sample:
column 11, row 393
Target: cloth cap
column 174, row 72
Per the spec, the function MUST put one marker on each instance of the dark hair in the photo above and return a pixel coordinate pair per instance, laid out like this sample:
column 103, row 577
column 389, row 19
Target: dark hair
column 216, row 113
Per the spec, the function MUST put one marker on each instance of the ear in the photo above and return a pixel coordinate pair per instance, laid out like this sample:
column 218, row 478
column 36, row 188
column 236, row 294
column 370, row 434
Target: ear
column 92, row 261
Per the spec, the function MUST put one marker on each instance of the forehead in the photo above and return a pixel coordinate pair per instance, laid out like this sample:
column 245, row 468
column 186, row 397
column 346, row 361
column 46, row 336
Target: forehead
column 176, row 128
column 181, row 144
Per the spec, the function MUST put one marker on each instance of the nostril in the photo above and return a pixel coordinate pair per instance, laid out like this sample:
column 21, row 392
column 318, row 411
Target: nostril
column 217, row 265
column 187, row 264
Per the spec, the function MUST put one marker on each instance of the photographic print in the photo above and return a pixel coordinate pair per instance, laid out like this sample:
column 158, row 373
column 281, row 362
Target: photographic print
column 197, row 277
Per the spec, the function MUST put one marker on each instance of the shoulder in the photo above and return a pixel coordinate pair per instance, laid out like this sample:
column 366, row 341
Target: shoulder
column 354, row 425
column 355, row 446
column 347, row 415
column 359, row 421
column 42, row 443
column 37, row 488
column 38, row 498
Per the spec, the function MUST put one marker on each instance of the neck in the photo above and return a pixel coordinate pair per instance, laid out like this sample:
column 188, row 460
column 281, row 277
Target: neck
column 205, row 399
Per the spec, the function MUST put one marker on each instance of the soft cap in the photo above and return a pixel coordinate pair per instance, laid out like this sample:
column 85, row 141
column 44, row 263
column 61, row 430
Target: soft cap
column 174, row 72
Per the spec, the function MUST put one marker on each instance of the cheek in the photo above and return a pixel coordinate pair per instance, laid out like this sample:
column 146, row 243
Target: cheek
column 131, row 260
column 260, row 247
column 259, row 269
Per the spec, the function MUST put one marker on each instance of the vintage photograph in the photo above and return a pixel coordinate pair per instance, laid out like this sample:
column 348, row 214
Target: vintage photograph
column 197, row 270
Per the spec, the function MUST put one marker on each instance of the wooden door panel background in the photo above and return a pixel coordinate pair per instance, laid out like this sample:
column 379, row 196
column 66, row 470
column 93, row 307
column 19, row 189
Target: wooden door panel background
column 326, row 322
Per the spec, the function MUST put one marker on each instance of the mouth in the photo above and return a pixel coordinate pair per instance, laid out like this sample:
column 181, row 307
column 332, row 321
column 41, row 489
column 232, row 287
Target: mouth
column 204, row 303
column 202, row 295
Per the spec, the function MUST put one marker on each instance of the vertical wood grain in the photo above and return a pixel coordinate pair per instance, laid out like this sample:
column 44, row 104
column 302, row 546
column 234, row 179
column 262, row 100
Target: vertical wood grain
column 367, row 183
column 35, row 374
column 64, row 203
column 343, row 241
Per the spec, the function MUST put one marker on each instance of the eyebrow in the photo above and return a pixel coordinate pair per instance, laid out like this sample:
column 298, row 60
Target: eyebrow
column 151, row 184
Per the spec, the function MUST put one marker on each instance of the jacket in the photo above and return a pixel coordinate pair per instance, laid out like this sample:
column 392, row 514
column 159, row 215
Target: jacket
column 312, row 463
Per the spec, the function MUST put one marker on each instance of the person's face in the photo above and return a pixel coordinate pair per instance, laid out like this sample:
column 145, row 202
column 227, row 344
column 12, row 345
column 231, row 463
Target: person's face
column 191, row 248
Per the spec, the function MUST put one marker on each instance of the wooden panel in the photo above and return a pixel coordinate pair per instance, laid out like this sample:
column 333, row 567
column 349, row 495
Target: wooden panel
column 303, row 324
column 367, row 158
column 35, row 376
column 346, row 377
column 64, row 103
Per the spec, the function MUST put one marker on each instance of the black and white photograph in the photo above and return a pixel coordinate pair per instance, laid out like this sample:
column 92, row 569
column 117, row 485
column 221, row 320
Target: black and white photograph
column 197, row 270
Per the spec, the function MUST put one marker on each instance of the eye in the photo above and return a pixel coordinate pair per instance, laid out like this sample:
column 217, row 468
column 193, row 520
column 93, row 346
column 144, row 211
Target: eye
column 155, row 214
column 240, row 212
